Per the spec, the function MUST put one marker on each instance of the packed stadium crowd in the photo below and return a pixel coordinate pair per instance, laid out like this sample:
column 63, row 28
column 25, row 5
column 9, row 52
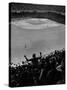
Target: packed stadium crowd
column 42, row 70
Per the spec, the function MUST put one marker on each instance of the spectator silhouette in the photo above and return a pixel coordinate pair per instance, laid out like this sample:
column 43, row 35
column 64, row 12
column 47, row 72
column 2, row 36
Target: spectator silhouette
column 34, row 59
column 53, row 75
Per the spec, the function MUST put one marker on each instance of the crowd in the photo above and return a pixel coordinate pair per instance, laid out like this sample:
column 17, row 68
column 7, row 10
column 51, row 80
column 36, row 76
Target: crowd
column 42, row 70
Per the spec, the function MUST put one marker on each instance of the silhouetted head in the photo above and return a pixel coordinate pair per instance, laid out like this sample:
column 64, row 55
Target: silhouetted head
column 52, row 62
column 22, row 62
column 34, row 55
column 40, row 53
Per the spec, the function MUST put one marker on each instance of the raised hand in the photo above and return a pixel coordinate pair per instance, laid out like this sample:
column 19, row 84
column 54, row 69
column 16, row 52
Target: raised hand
column 26, row 57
